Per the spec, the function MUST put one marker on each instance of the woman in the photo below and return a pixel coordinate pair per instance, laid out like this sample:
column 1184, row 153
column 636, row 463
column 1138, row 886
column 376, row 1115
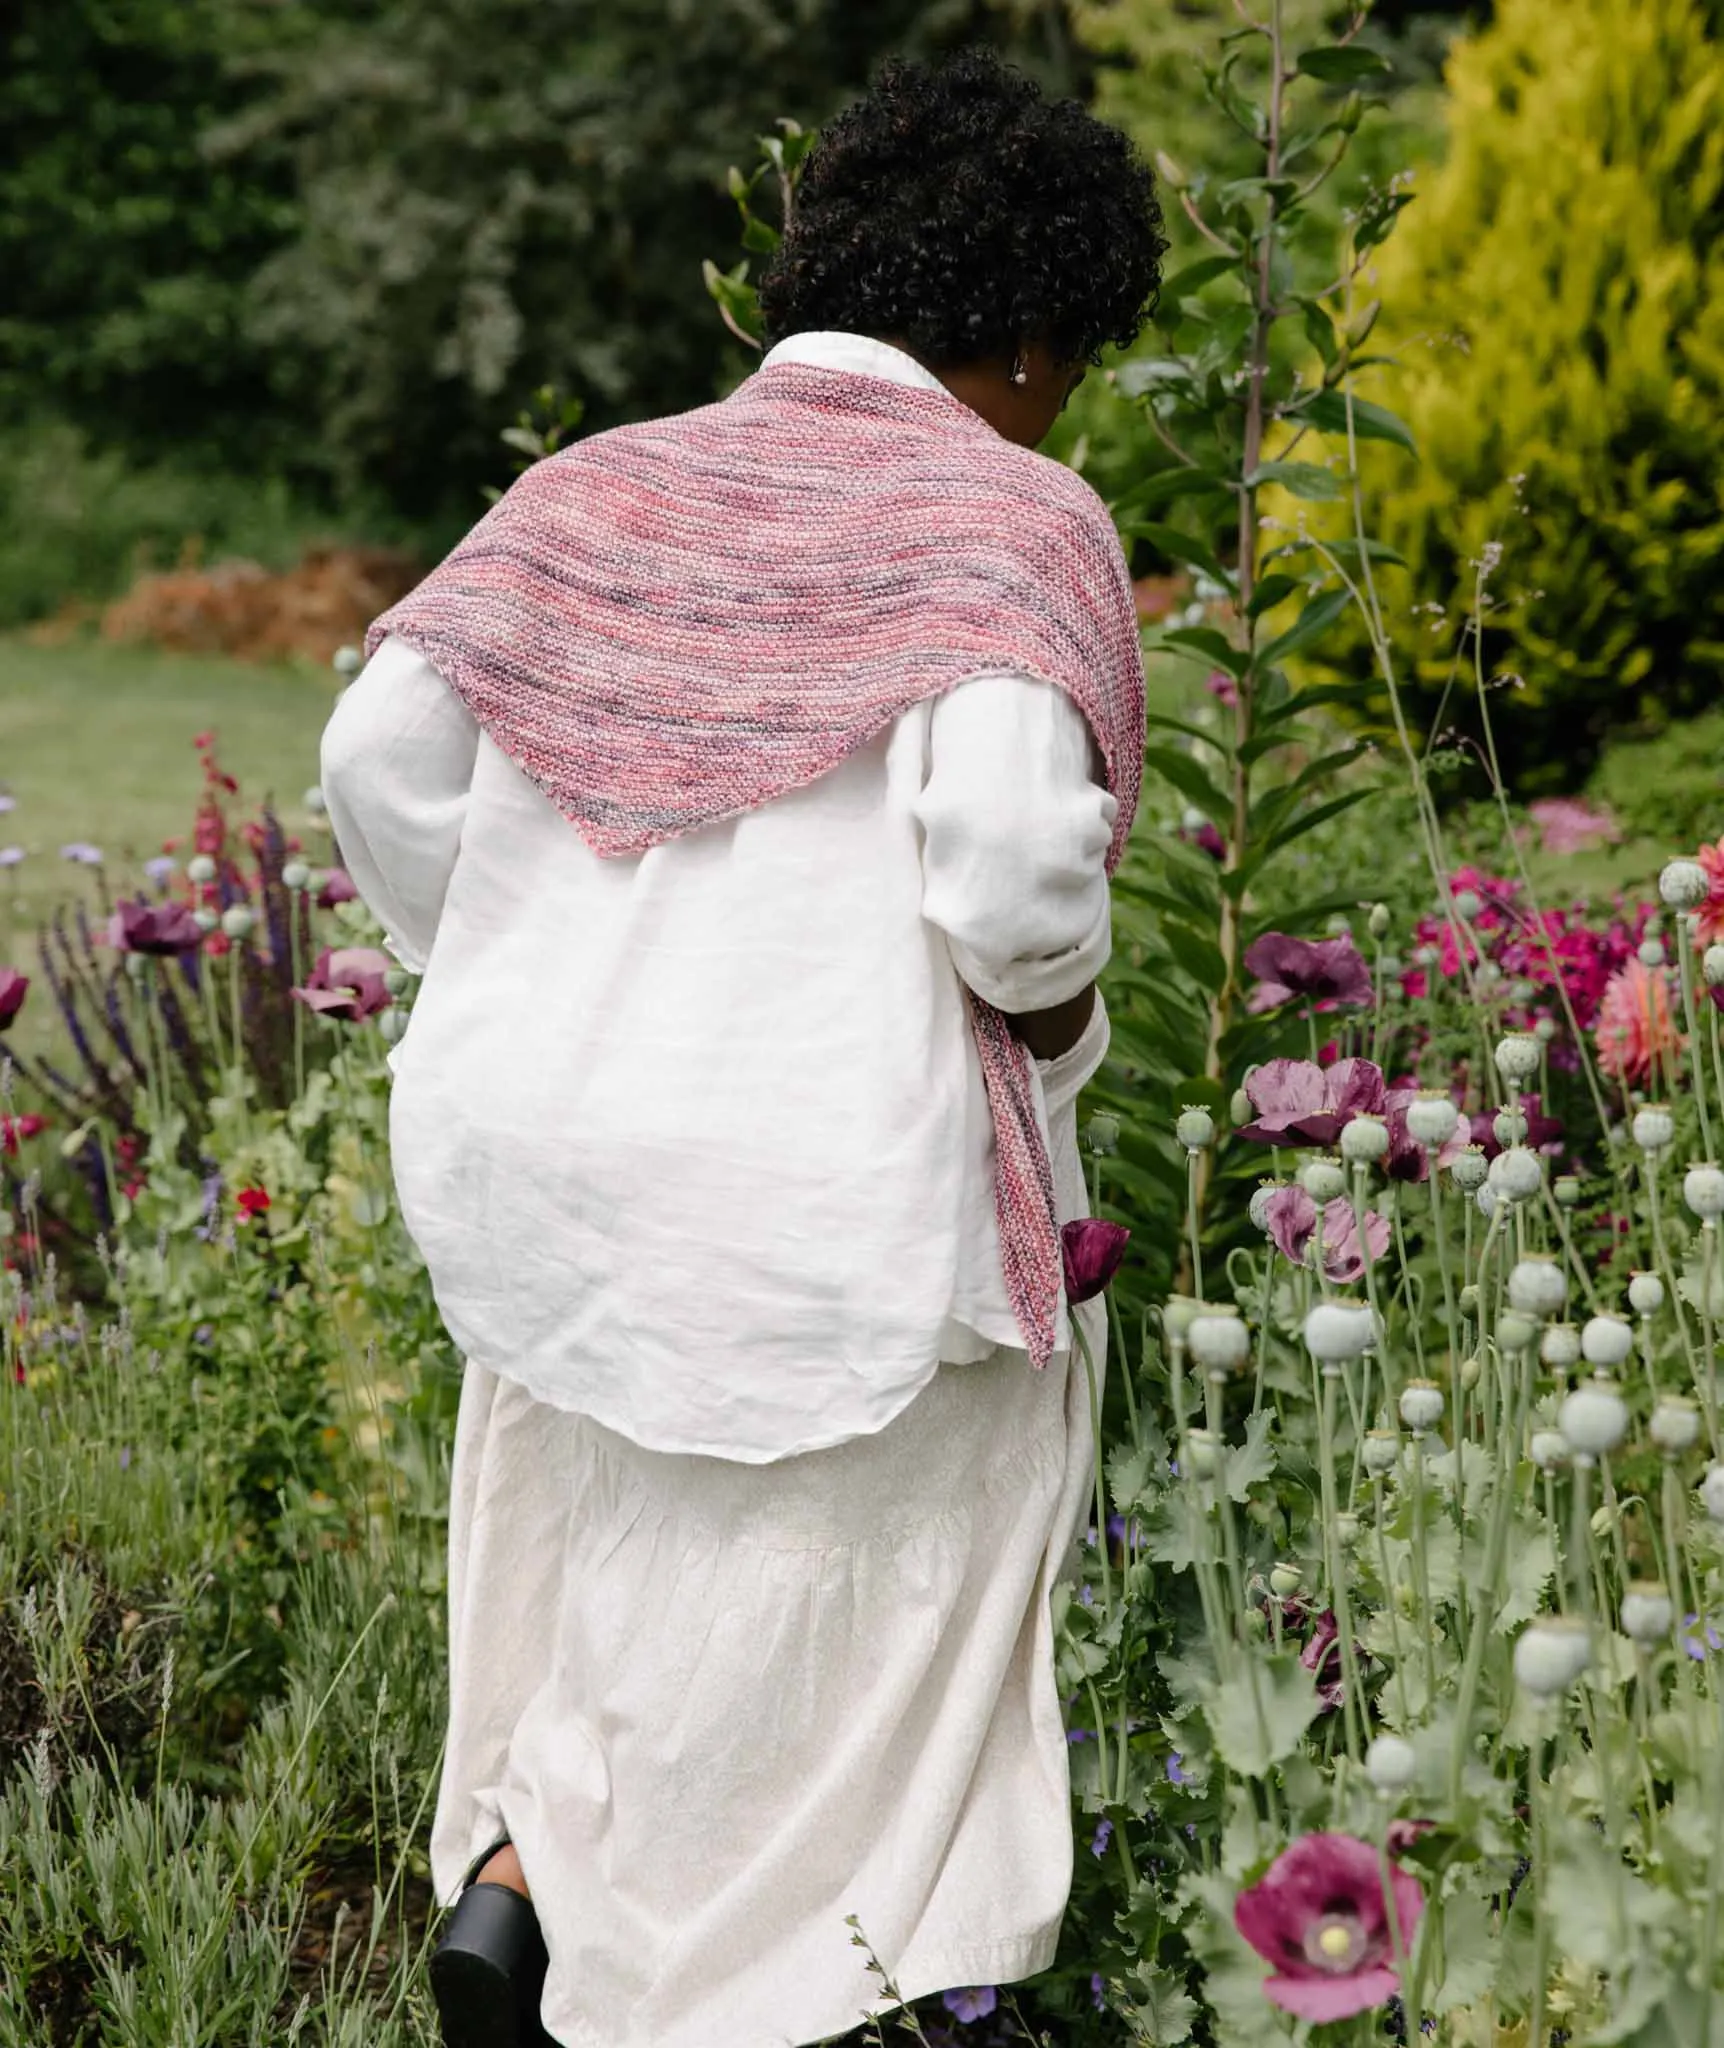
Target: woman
column 736, row 1123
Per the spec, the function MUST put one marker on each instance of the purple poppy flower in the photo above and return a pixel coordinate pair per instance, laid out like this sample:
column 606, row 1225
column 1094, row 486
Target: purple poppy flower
column 1103, row 1835
column 1290, row 1218
column 337, row 888
column 81, row 851
column 1330, row 972
column 13, row 989
column 1319, row 1915
column 974, row 2002
column 1321, row 1656
column 1091, row 1251
column 1541, row 1130
column 154, row 928
column 10, row 856
column 1299, row 1102
column 347, row 983
column 1206, row 838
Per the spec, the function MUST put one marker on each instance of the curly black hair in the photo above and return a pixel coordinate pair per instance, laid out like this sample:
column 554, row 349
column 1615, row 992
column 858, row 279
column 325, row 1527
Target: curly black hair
column 957, row 209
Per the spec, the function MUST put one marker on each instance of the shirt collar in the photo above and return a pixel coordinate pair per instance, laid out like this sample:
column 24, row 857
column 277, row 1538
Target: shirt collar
column 834, row 349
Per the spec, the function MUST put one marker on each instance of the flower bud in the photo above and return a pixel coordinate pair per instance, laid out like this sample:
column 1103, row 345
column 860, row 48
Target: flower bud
column 1467, row 904
column 1102, row 1131
column 1195, row 1129
column 1593, row 1419
column 1379, row 921
column 1712, row 1492
column 1427, row 956
column 1712, row 966
column 1517, row 1056
column 1538, row 1286
column 1549, row 1655
column 1469, row 1168
column 1544, row 1030
column 1606, row 1341
column 1261, row 1196
column 393, row 1026
column 1548, row 1449
column 1422, row 1405
column 1177, row 1315
column 206, row 920
column 1487, row 975
column 1382, row 1451
column 200, row 869
column 1675, row 1425
column 1470, row 1371
column 1346, row 1530
column 1202, row 1453
column 1645, row 1293
column 1218, row 1340
column 1647, row 1612
column 1336, row 1331
column 1653, row 1127
column 1509, row 1127
column 347, row 661
column 1703, row 1191
column 1468, row 1301
column 396, row 980
column 296, row 875
column 1322, row 1180
column 1566, row 1189
column 237, row 920
column 1390, row 1764
column 1432, row 1119
column 1684, row 884
column 1516, row 1174
column 1559, row 1347
column 1285, row 1580
column 1364, row 1140
column 313, row 801
column 1241, row 1110
column 1486, row 1201
column 1516, row 1331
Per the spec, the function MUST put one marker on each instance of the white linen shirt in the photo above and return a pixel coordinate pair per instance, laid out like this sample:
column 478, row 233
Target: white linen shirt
column 695, row 1140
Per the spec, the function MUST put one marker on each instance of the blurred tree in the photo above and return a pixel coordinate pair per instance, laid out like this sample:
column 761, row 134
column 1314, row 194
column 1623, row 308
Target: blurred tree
column 502, row 194
column 1556, row 305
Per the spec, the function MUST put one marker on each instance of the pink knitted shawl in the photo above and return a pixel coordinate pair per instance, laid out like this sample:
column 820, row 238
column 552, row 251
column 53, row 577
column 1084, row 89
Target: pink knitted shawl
column 671, row 623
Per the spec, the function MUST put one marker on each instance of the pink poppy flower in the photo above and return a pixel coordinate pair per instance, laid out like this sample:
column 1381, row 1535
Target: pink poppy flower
column 13, row 989
column 159, row 929
column 1319, row 1915
column 1567, row 825
column 1299, row 1103
column 347, row 983
column 1636, row 1023
column 1222, row 687
column 1290, row 1218
column 1329, row 971
column 1090, row 1251
column 338, row 888
column 1711, row 915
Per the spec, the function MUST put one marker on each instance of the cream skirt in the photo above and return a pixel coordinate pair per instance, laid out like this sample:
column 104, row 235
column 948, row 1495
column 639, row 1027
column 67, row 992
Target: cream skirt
column 721, row 1706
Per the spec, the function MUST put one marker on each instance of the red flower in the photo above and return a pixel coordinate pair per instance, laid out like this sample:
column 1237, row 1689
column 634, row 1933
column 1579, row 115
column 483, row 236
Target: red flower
column 15, row 1128
column 13, row 989
column 1090, row 1251
column 252, row 1202
column 1319, row 1915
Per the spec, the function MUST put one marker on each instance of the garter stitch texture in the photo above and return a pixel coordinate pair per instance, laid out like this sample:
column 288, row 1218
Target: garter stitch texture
column 671, row 623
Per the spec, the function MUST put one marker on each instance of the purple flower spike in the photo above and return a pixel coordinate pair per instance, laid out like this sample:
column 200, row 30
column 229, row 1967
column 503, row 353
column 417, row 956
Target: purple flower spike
column 1298, row 1102
column 1319, row 1915
column 975, row 2002
column 158, row 928
column 1091, row 1251
column 1327, row 971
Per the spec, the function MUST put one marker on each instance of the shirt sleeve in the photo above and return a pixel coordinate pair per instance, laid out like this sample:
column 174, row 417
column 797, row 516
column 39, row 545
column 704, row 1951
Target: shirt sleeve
column 1017, row 822
column 397, row 765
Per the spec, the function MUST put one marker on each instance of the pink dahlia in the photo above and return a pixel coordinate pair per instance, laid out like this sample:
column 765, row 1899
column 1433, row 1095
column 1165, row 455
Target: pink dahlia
column 1319, row 1915
column 1636, row 1025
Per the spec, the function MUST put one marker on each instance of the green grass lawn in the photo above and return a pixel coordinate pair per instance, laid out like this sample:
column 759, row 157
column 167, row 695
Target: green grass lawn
column 96, row 745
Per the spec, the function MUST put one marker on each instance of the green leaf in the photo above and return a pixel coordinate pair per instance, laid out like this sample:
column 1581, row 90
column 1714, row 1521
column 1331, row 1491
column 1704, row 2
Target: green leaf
column 1183, row 480
column 1320, row 332
column 1273, row 590
column 1250, row 1463
column 1530, row 1568
column 1312, row 623
column 1256, row 1724
column 1302, row 479
column 1469, row 1950
column 1183, row 547
column 1162, row 723
column 1194, row 276
column 1233, row 1971
column 1214, row 647
column 1161, row 2014
column 1327, row 412
column 1342, row 63
column 1193, row 955
column 1152, row 373
column 760, row 235
column 1602, row 1909
column 1189, row 779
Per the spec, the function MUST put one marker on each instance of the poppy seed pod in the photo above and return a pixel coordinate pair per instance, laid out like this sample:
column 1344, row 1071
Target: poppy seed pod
column 1202, row 1453
column 1422, row 1405
column 1516, row 1330
column 1606, row 1341
column 1195, row 1128
column 313, row 801
column 1684, row 884
column 1487, row 974
column 1517, row 1056
column 1470, row 1371
column 1485, row 1201
column 1647, row 1613
column 1390, row 1764
column 1509, row 1127
column 1703, row 1191
column 1285, row 1580
column 1336, row 1331
column 1550, row 1655
column 1566, row 1189
column 1177, row 1314
column 237, row 920
column 296, row 875
column 206, row 920
column 1712, row 966
column 1712, row 1492
column 1346, row 1530
column 1218, row 1341
column 1468, row 1169
column 1322, row 1180
column 1432, row 1120
column 1593, row 1419
column 1102, row 1132
column 396, row 979
column 1544, row 1030
column 1516, row 1174
column 1381, row 1452
column 1653, row 1127
column 1548, row 1449
column 1537, row 1286
column 1650, row 952
column 1467, row 904
column 1379, row 921
column 1261, row 1196
column 1559, row 1347
column 200, row 869
column 1675, row 1425
column 393, row 1026
column 1364, row 1140
column 1645, row 1293
column 347, row 661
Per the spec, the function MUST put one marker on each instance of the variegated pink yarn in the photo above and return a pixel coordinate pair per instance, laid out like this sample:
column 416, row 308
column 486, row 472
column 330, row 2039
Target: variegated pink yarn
column 672, row 623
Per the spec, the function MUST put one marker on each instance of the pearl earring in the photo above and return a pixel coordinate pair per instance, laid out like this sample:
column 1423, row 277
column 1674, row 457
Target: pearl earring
column 1019, row 374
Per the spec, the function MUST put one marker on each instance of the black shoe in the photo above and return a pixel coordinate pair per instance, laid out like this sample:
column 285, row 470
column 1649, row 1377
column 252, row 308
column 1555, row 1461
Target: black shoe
column 488, row 1969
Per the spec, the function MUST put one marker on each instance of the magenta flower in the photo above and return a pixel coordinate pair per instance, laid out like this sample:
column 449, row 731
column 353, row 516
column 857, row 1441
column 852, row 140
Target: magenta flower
column 1090, row 1251
column 347, row 983
column 1290, row 1218
column 1328, row 972
column 1300, row 1103
column 13, row 989
column 1318, row 1914
column 157, row 928
column 338, row 888
column 1222, row 687
column 1321, row 1656
column 974, row 2002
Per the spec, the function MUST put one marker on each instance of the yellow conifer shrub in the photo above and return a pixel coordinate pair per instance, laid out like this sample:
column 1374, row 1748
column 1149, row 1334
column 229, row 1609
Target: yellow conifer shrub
column 1555, row 306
